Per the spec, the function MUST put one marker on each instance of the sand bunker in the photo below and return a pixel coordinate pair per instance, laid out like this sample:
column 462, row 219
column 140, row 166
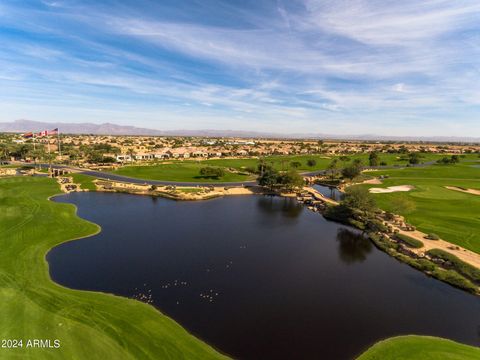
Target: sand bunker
column 468, row 191
column 375, row 181
column 391, row 189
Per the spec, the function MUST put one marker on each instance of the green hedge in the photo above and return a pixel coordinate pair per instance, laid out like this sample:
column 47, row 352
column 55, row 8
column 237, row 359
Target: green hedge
column 455, row 279
column 376, row 225
column 460, row 266
column 409, row 241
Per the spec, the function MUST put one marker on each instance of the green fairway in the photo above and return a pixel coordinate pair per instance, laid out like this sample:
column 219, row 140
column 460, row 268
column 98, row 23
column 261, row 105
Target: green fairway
column 451, row 214
column 420, row 348
column 89, row 325
column 85, row 181
column 189, row 170
column 181, row 171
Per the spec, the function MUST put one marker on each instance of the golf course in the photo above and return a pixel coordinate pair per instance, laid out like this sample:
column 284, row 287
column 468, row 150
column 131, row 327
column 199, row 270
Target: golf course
column 431, row 206
column 92, row 325
column 237, row 170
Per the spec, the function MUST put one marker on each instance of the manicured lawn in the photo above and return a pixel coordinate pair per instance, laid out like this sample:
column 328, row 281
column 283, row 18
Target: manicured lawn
column 420, row 348
column 85, row 181
column 189, row 170
column 182, row 171
column 451, row 214
column 89, row 325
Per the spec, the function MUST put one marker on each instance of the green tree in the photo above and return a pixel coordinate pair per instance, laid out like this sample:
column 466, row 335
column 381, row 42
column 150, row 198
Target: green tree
column 295, row 164
column 290, row 180
column 414, row 158
column 353, row 170
column 344, row 159
column 4, row 151
column 268, row 176
column 359, row 198
column 212, row 172
column 373, row 159
column 332, row 169
column 311, row 162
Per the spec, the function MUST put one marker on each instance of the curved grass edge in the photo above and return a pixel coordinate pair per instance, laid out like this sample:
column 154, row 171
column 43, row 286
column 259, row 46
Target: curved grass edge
column 417, row 347
column 94, row 324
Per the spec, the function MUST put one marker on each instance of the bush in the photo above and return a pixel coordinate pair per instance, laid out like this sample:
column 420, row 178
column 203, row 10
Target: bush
column 425, row 265
column 460, row 266
column 432, row 237
column 382, row 242
column 338, row 213
column 358, row 224
column 213, row 172
column 455, row 279
column 376, row 225
column 409, row 241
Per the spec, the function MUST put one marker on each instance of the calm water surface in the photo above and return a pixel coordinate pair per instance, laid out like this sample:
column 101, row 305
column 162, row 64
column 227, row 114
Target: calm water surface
column 258, row 277
column 329, row 191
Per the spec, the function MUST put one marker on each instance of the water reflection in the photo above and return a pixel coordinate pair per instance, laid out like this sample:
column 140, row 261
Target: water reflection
column 329, row 191
column 353, row 246
column 287, row 207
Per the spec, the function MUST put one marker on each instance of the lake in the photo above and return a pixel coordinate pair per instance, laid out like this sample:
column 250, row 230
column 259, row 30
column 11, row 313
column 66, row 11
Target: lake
column 258, row 277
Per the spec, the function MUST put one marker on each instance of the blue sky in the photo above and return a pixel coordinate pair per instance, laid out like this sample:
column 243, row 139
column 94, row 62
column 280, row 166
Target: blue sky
column 321, row 66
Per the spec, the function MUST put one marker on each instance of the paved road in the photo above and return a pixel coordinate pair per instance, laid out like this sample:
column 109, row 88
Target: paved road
column 116, row 177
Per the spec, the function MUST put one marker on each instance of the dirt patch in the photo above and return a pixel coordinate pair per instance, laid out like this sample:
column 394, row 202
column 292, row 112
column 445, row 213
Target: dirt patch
column 391, row 189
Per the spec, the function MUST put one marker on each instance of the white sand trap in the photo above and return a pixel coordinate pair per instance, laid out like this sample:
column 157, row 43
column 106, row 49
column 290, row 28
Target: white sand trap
column 375, row 181
column 467, row 191
column 391, row 189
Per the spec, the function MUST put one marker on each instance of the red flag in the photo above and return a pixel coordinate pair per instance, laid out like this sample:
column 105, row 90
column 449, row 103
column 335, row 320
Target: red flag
column 53, row 132
column 28, row 135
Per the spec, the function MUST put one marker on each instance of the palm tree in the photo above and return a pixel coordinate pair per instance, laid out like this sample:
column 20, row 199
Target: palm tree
column 131, row 153
column 4, row 151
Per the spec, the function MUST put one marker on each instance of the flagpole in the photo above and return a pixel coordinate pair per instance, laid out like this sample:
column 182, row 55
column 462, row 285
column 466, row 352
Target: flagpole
column 58, row 141
column 34, row 152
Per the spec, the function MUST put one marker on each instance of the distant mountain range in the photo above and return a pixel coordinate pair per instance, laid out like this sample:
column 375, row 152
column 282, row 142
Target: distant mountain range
column 21, row 126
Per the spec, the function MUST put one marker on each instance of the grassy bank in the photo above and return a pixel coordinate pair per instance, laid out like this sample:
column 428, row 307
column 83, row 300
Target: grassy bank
column 451, row 214
column 85, row 181
column 89, row 325
column 182, row 171
column 419, row 348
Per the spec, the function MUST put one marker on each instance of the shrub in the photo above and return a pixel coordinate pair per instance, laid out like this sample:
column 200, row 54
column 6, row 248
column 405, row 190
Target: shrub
column 376, row 225
column 460, row 266
column 409, row 241
column 425, row 265
column 213, row 172
column 455, row 279
column 432, row 237
column 358, row 224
